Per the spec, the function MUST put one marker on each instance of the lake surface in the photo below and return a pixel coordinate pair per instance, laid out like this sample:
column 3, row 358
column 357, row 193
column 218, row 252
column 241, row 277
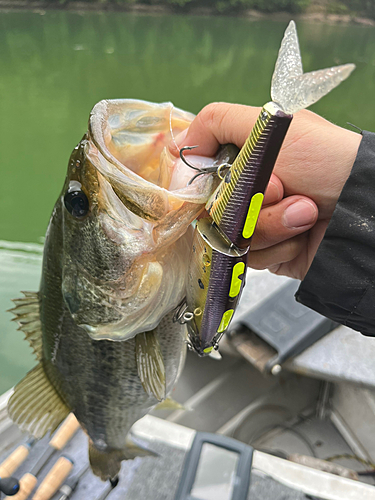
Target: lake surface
column 54, row 67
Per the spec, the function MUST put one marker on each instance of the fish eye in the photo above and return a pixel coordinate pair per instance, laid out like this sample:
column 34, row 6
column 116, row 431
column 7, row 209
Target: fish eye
column 76, row 203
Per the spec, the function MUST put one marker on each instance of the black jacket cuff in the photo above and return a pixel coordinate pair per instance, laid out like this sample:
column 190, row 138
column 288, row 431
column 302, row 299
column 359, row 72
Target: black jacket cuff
column 340, row 283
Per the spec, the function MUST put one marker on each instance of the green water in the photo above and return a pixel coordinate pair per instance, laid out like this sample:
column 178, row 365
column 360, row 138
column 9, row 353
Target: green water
column 55, row 67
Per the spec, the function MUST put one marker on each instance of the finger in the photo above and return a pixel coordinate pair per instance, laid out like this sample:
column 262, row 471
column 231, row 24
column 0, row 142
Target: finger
column 298, row 267
column 218, row 123
column 274, row 192
column 284, row 220
column 279, row 254
column 222, row 123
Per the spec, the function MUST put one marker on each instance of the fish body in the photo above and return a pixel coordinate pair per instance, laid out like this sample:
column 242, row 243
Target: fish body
column 114, row 269
column 99, row 379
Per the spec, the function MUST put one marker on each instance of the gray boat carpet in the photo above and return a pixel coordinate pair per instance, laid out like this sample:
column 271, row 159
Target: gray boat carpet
column 146, row 478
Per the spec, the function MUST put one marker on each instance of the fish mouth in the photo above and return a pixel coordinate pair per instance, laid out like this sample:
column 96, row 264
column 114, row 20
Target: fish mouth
column 139, row 223
column 128, row 142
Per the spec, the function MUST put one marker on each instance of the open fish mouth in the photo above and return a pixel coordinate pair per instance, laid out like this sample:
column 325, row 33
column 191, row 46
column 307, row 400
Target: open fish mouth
column 128, row 147
column 129, row 264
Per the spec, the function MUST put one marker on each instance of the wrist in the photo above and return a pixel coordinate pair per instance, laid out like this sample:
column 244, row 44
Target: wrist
column 346, row 146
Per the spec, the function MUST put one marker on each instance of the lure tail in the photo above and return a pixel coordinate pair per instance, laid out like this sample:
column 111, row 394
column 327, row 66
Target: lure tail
column 294, row 90
column 217, row 266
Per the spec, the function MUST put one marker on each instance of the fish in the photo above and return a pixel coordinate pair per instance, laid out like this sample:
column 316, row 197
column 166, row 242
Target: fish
column 114, row 271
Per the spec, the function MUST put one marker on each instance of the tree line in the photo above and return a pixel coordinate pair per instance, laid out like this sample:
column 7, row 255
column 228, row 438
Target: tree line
column 351, row 7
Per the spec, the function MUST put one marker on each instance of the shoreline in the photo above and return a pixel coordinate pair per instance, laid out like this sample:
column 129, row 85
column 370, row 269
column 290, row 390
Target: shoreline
column 40, row 7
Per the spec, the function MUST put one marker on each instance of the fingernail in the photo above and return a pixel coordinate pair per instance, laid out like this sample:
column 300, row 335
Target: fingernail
column 179, row 139
column 301, row 213
column 275, row 188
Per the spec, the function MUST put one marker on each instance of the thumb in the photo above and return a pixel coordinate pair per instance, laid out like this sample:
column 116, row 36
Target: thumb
column 218, row 123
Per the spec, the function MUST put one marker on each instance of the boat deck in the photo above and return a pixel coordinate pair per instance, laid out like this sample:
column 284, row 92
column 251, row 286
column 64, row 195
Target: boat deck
column 146, row 478
column 313, row 407
column 219, row 399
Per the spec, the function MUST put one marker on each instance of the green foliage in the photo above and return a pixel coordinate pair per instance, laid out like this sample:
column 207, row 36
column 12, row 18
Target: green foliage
column 179, row 3
column 354, row 7
column 361, row 7
column 276, row 5
column 337, row 8
column 123, row 2
column 225, row 6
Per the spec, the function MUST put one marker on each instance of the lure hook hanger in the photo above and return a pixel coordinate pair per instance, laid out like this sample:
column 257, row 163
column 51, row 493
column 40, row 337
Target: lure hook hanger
column 201, row 171
column 182, row 315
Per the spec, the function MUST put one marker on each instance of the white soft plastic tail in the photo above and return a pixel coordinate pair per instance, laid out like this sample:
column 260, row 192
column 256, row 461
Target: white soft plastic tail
column 291, row 88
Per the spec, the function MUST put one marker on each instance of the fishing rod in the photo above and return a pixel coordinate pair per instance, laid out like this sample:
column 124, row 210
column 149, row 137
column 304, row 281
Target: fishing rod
column 8, row 484
column 50, row 483
column 54, row 479
column 67, row 489
column 57, row 443
column 16, row 458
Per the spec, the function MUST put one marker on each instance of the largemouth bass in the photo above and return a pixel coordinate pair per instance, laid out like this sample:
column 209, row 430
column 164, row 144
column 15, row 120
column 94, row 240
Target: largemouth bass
column 114, row 270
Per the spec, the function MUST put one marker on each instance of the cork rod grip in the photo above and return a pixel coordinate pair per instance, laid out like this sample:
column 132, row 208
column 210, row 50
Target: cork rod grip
column 54, row 479
column 27, row 484
column 14, row 460
column 65, row 433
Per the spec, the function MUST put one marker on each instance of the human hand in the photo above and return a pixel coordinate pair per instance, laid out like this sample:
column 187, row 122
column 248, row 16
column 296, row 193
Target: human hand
column 311, row 170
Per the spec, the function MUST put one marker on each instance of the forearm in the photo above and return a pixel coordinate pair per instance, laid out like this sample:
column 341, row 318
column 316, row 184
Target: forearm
column 340, row 283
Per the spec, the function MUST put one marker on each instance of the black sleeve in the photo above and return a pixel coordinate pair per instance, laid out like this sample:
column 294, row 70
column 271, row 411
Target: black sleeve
column 340, row 283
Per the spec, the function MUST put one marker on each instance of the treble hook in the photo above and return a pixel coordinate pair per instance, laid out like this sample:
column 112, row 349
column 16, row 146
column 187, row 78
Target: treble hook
column 189, row 148
column 201, row 171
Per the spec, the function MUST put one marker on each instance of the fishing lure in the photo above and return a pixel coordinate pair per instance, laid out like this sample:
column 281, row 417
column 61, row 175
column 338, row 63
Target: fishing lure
column 217, row 269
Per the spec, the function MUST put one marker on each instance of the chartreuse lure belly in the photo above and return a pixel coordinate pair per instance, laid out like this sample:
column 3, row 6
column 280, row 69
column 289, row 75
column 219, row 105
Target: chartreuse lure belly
column 222, row 239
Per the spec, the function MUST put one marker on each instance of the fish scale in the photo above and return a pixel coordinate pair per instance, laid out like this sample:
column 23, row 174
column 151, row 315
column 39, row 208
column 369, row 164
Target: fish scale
column 99, row 379
column 101, row 325
column 101, row 391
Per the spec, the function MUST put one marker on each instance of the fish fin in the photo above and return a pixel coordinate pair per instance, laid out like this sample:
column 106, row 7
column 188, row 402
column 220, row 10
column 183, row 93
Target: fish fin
column 133, row 450
column 27, row 315
column 150, row 364
column 35, row 405
column 107, row 464
column 169, row 404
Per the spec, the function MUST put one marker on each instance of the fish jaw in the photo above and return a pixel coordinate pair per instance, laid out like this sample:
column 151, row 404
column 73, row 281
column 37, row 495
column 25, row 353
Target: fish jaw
column 125, row 262
column 122, row 279
column 161, row 289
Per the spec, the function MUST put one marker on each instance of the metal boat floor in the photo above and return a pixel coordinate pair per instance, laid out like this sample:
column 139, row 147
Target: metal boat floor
column 232, row 398
column 148, row 478
column 229, row 397
column 156, row 478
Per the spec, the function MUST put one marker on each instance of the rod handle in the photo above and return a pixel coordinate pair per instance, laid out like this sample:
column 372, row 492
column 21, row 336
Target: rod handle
column 54, row 479
column 14, row 460
column 27, row 484
column 65, row 432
